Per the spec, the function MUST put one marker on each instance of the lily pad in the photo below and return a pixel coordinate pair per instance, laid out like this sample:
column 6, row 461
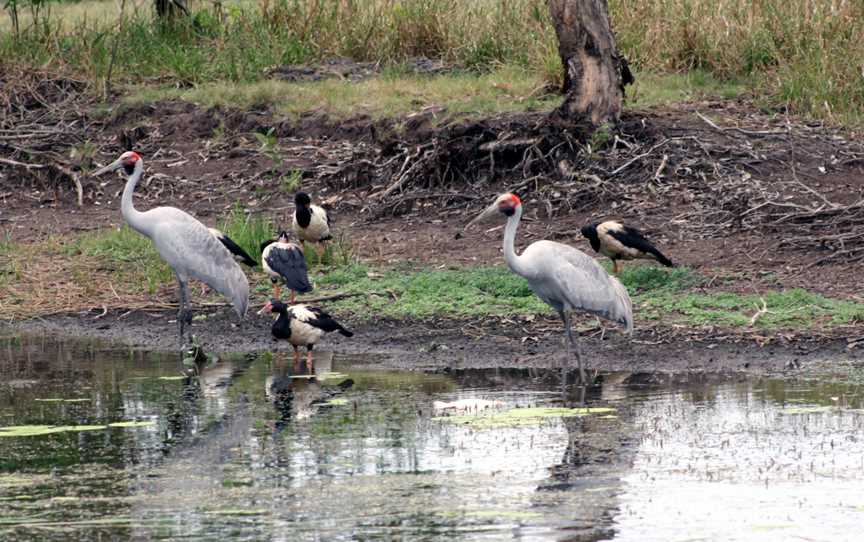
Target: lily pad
column 37, row 430
column 132, row 424
column 517, row 417
column 236, row 512
column 807, row 410
column 328, row 375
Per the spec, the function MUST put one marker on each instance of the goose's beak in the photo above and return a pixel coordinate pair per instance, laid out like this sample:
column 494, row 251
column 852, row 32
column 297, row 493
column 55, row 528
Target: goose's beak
column 488, row 213
column 266, row 308
column 113, row 166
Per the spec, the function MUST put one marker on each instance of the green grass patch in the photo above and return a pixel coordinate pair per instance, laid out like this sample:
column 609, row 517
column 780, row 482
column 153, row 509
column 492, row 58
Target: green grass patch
column 422, row 293
column 248, row 231
column 794, row 308
column 126, row 253
column 652, row 89
column 504, row 89
column 668, row 295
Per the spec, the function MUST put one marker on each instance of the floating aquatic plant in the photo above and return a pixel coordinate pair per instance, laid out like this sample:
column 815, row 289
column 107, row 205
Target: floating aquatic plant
column 517, row 417
column 132, row 424
column 38, row 430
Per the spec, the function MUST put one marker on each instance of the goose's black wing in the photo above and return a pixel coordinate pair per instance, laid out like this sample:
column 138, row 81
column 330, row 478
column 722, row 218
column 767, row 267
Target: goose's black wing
column 291, row 266
column 237, row 250
column 326, row 322
column 633, row 238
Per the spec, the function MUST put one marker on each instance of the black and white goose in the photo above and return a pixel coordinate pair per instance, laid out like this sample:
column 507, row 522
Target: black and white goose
column 619, row 242
column 311, row 222
column 301, row 325
column 284, row 262
column 236, row 250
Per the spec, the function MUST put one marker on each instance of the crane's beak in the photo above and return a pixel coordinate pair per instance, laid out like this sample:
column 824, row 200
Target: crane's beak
column 113, row 166
column 266, row 308
column 490, row 211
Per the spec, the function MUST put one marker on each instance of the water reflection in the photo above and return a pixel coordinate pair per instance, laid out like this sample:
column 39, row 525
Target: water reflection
column 257, row 448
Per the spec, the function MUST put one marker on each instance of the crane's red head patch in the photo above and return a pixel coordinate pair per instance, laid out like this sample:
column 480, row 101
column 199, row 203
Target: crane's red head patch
column 129, row 158
column 507, row 203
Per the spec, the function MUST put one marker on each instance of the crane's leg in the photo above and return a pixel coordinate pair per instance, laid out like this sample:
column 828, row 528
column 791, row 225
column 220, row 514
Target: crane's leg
column 309, row 357
column 184, row 317
column 296, row 355
column 574, row 346
column 615, row 269
column 293, row 293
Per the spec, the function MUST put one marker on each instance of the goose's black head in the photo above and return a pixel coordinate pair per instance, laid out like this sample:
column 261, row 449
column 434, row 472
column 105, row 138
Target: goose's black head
column 302, row 199
column 275, row 306
column 590, row 233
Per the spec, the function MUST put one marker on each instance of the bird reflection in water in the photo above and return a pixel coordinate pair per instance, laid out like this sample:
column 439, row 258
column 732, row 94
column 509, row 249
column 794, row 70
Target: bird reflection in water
column 295, row 390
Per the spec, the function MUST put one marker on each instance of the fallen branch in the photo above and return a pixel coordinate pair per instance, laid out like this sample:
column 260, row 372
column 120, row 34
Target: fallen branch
column 761, row 311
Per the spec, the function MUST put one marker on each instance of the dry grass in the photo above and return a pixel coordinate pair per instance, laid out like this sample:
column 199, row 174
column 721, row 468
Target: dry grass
column 805, row 54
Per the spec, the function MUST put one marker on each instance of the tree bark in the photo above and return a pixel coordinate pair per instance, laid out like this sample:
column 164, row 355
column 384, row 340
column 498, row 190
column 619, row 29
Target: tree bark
column 594, row 71
column 167, row 9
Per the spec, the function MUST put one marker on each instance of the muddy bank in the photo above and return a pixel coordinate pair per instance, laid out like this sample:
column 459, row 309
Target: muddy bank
column 478, row 343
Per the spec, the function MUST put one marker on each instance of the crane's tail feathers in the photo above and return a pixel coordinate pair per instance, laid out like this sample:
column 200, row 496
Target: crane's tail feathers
column 345, row 332
column 624, row 307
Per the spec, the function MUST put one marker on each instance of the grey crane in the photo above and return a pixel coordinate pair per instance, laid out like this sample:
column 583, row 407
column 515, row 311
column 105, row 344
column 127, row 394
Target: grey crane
column 184, row 243
column 565, row 278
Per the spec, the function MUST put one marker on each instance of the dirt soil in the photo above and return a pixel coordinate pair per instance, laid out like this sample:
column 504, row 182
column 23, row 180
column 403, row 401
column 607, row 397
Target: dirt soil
column 478, row 343
column 749, row 198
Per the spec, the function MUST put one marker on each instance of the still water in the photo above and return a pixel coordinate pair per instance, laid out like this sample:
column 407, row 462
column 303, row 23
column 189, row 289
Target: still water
column 105, row 443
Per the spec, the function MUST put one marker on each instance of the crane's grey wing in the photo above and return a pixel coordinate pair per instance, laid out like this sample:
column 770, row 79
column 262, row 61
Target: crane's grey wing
column 578, row 282
column 192, row 251
column 289, row 262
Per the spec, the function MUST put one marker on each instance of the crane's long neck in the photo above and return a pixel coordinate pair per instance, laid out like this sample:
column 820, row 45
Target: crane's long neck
column 514, row 261
column 132, row 216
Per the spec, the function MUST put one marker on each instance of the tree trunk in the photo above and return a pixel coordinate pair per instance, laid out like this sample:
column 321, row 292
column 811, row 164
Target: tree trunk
column 594, row 72
column 166, row 9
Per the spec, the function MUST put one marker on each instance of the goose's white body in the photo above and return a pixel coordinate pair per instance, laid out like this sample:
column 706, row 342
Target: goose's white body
column 318, row 228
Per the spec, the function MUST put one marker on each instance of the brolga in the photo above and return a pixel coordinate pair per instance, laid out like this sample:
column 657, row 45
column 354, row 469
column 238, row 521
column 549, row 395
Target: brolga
column 236, row 250
column 565, row 278
column 184, row 243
